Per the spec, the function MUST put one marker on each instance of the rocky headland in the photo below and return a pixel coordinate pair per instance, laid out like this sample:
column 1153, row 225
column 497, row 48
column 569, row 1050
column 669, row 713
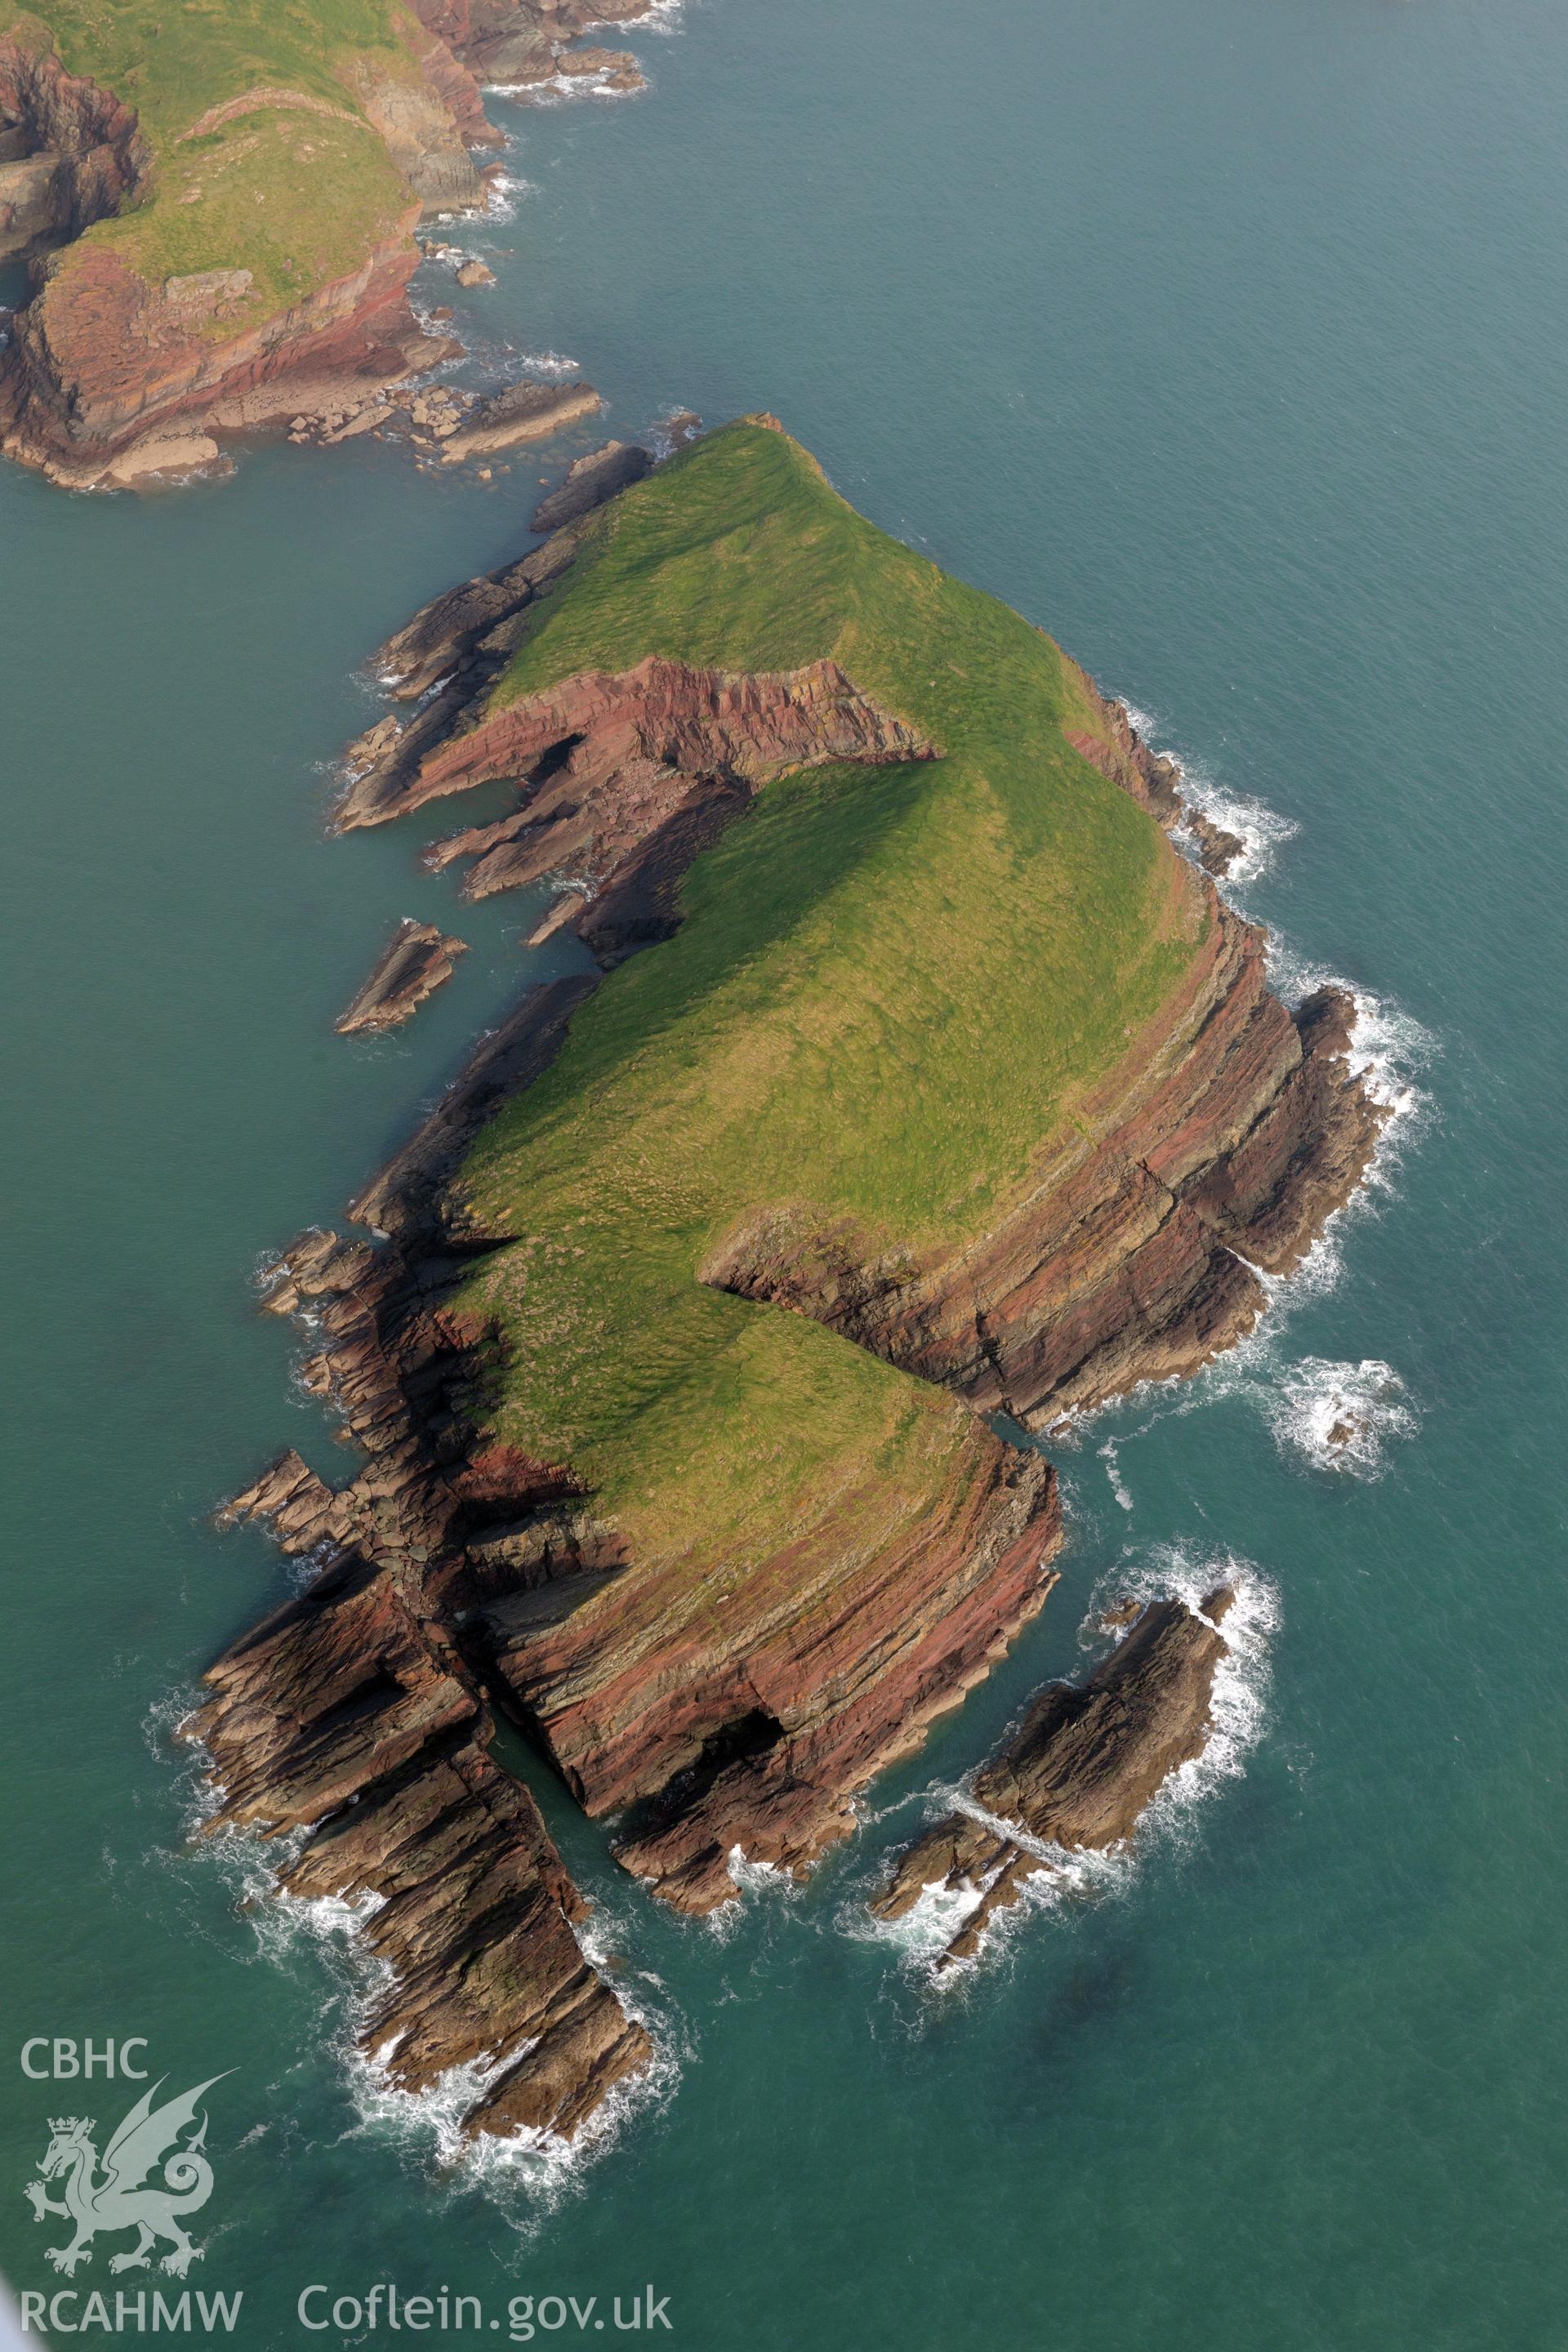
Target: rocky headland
column 918, row 1079
column 222, row 240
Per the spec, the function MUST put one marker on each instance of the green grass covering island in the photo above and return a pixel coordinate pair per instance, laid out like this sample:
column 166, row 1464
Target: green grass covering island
column 295, row 185
column 892, row 987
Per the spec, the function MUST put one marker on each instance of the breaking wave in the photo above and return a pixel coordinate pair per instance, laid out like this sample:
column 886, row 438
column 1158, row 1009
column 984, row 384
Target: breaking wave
column 504, row 193
column 552, row 364
column 1261, row 831
column 1339, row 1417
column 562, row 89
column 1110, row 1453
column 1388, row 1048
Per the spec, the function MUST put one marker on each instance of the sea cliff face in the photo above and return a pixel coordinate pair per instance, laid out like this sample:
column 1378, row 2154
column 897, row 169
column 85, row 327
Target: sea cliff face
column 671, row 1363
column 108, row 379
column 1222, row 1143
column 70, row 153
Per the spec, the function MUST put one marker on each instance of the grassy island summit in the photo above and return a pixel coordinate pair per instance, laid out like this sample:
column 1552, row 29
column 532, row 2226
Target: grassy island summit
column 893, row 985
column 922, row 1080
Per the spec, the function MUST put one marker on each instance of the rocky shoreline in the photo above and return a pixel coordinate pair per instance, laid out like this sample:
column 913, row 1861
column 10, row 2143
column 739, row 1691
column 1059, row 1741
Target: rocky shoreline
column 354, row 1714
column 110, row 381
column 459, row 1576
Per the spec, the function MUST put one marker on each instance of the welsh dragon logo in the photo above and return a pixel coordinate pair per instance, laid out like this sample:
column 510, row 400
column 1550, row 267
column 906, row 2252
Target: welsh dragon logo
column 118, row 2200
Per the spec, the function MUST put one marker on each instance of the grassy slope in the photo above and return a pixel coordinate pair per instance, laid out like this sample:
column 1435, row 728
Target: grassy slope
column 890, row 985
column 296, row 198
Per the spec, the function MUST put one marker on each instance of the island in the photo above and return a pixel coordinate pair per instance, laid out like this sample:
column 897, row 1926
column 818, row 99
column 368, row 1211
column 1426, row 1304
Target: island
column 218, row 207
column 918, row 1092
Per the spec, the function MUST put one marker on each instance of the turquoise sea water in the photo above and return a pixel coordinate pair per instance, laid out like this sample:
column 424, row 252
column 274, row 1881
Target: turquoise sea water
column 1228, row 341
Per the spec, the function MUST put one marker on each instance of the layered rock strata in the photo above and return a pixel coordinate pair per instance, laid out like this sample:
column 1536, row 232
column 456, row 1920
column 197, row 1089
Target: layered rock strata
column 450, row 1572
column 462, row 1572
column 1081, row 1773
column 590, row 480
column 749, row 1737
column 351, row 1716
column 1213, row 1155
column 103, row 368
column 521, row 414
column 622, row 780
column 1156, row 782
column 416, row 962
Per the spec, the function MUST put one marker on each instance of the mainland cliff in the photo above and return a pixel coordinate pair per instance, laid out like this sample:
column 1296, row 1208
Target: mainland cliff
column 917, row 1079
column 219, row 214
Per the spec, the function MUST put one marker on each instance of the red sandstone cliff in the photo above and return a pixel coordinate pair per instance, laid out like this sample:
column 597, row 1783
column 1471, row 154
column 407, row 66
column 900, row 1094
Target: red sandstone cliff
column 108, row 376
column 1231, row 1132
column 70, row 153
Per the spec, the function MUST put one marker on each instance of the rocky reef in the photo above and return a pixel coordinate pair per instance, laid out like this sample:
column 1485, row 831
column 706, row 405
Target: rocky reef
column 415, row 962
column 1081, row 1773
column 674, row 1377
column 524, row 46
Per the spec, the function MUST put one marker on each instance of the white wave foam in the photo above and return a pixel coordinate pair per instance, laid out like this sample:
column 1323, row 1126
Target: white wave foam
column 1387, row 1048
column 562, row 89
column 527, row 2173
column 1340, row 1417
column 505, row 191
column 754, row 1881
column 660, row 19
column 1261, row 831
column 1109, row 1456
column 1238, row 1705
column 661, row 16
column 552, row 364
